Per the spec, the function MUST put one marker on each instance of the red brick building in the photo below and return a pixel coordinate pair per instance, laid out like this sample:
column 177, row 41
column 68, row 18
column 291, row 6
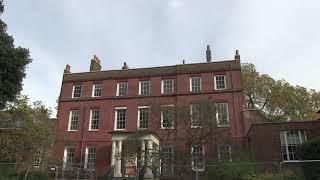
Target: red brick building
column 100, row 112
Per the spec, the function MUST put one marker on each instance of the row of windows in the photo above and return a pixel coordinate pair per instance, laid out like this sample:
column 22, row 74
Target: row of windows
column 166, row 153
column 167, row 117
column 167, row 87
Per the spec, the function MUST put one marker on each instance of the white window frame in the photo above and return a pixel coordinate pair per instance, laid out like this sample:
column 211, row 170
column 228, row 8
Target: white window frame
column 140, row 89
column 191, row 116
column 118, row 88
column 90, row 120
column 87, row 156
column 173, row 123
column 70, row 119
column 172, row 159
column 65, row 156
column 217, row 116
column 215, row 82
column 286, row 144
column 94, row 89
column 192, row 162
column 116, row 120
column 219, row 152
column 73, row 88
column 190, row 84
column 138, row 124
column 162, row 86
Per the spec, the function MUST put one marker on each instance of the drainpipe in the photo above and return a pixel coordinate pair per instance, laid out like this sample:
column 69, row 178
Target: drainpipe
column 82, row 132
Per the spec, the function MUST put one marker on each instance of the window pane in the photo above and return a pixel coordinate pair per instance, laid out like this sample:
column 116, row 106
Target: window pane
column 224, row 153
column 143, row 117
column 97, row 90
column 195, row 84
column 121, row 118
column 123, row 89
column 195, row 115
column 167, row 86
column 168, row 116
column 74, row 117
column 144, row 87
column 222, row 114
column 166, row 161
column 220, row 82
column 77, row 91
column 68, row 157
column 289, row 142
column 95, row 115
column 197, row 157
column 91, row 158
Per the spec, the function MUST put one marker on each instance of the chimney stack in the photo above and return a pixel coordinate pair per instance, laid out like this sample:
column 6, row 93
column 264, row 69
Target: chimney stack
column 237, row 56
column 208, row 54
column 67, row 70
column 125, row 66
column 95, row 64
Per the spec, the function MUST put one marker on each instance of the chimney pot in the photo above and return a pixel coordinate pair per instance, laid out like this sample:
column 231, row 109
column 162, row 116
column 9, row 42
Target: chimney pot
column 208, row 53
column 237, row 56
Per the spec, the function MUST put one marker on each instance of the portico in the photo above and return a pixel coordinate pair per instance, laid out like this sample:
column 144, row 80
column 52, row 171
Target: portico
column 132, row 151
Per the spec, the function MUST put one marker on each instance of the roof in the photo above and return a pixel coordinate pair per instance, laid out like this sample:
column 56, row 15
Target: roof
column 154, row 71
column 260, row 124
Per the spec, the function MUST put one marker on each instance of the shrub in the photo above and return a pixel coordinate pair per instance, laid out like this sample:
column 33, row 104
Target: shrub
column 310, row 150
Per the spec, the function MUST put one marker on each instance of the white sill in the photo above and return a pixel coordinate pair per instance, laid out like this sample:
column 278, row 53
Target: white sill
column 93, row 130
column 222, row 126
column 96, row 96
column 142, row 128
column 119, row 129
column 72, row 130
column 196, row 127
column 198, row 169
column 167, row 128
column 220, row 89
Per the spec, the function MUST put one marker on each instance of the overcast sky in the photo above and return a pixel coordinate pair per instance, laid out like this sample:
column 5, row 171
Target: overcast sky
column 282, row 38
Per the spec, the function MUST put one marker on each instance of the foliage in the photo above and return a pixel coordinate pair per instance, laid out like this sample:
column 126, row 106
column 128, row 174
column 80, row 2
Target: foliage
column 25, row 129
column 310, row 150
column 278, row 99
column 13, row 62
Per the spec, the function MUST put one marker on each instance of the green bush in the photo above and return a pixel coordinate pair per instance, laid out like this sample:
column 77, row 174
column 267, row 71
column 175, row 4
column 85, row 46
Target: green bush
column 32, row 175
column 310, row 150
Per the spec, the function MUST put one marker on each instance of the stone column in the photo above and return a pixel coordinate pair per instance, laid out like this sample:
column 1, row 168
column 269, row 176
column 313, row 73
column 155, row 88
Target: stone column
column 149, row 173
column 143, row 148
column 113, row 154
column 118, row 161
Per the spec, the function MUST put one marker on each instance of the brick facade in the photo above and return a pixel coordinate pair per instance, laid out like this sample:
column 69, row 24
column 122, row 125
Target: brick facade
column 102, row 138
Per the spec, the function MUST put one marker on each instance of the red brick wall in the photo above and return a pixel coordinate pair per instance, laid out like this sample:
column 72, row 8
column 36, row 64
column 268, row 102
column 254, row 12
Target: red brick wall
column 107, row 103
column 264, row 138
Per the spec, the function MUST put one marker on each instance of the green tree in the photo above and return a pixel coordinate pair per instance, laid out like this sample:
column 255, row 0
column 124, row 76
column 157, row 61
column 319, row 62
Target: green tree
column 26, row 130
column 278, row 99
column 13, row 63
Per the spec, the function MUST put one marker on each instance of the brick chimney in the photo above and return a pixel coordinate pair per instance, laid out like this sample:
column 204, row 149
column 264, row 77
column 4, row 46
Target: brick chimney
column 125, row 66
column 67, row 70
column 95, row 64
column 208, row 54
column 237, row 56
